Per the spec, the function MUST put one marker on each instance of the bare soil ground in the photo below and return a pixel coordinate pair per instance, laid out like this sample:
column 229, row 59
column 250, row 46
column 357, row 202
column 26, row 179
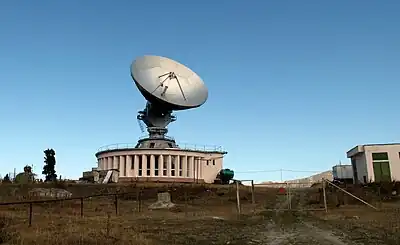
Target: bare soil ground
column 209, row 216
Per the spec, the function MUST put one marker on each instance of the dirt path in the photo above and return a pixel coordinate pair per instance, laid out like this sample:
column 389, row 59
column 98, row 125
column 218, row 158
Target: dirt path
column 305, row 234
column 299, row 235
column 288, row 228
column 296, row 234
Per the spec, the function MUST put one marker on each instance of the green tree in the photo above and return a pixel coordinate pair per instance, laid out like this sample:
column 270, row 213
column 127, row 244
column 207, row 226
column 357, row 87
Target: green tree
column 28, row 169
column 49, row 168
column 6, row 179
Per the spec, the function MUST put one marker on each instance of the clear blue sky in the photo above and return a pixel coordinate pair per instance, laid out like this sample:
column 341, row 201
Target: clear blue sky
column 292, row 84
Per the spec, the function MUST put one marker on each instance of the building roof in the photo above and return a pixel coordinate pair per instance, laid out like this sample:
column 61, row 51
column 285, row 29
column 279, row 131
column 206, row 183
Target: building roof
column 360, row 148
column 342, row 165
column 381, row 144
column 374, row 145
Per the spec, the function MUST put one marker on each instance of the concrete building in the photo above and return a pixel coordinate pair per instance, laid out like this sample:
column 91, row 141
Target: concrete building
column 342, row 172
column 375, row 162
column 183, row 164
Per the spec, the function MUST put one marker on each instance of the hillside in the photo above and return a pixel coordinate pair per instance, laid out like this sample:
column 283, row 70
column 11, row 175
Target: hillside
column 313, row 178
column 307, row 181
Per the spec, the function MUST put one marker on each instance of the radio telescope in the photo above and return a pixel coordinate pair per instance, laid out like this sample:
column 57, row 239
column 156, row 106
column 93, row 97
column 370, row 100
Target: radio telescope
column 167, row 86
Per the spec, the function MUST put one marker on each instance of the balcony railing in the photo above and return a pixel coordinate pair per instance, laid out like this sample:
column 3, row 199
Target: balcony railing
column 183, row 146
column 165, row 136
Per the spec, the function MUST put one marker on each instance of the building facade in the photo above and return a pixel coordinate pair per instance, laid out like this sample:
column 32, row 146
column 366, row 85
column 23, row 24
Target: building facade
column 162, row 165
column 342, row 172
column 375, row 162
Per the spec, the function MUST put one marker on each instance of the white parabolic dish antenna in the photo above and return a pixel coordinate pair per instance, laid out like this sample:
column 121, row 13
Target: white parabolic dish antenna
column 168, row 84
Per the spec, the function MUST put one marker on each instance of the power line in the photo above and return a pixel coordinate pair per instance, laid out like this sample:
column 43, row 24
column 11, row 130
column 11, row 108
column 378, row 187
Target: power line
column 258, row 171
column 278, row 170
column 302, row 171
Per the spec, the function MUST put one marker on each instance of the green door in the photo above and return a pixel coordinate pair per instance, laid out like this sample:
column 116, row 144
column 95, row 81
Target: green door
column 385, row 172
column 382, row 172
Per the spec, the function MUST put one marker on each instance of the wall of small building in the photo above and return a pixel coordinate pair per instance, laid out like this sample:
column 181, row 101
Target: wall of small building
column 211, row 169
column 342, row 171
column 364, row 162
column 393, row 155
column 361, row 165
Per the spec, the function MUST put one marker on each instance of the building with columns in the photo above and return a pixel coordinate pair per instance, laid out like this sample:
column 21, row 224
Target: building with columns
column 183, row 164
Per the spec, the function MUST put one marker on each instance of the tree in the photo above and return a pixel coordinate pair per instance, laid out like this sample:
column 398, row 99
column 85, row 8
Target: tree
column 27, row 169
column 49, row 169
column 6, row 179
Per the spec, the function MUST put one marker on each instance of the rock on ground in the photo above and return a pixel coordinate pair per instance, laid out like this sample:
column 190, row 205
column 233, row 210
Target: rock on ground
column 163, row 201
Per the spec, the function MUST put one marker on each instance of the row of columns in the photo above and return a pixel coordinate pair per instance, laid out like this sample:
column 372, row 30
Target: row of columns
column 137, row 166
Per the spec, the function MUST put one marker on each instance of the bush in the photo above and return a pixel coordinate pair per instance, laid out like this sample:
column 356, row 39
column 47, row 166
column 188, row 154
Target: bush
column 7, row 234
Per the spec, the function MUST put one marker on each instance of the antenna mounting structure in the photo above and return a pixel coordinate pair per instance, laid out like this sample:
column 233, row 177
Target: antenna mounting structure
column 167, row 86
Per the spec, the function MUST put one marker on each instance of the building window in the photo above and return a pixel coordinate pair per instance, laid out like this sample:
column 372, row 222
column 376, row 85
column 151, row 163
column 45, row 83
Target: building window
column 181, row 165
column 147, row 165
column 148, row 170
column 380, row 156
column 140, row 166
column 187, row 169
column 173, row 165
column 213, row 161
column 152, row 145
column 133, row 157
column 165, row 165
column 125, row 163
column 156, row 164
column 381, row 166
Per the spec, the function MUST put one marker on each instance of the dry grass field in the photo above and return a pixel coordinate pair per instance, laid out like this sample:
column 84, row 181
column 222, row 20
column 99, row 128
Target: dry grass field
column 203, row 215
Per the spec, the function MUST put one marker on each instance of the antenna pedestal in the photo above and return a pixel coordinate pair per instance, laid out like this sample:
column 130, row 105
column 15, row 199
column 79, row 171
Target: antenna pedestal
column 158, row 143
column 156, row 121
column 156, row 132
column 155, row 117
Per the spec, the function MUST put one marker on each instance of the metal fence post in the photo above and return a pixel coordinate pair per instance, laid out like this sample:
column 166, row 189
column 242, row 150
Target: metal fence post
column 253, row 199
column 139, row 199
column 186, row 203
column 287, row 196
column 291, row 195
column 30, row 214
column 116, row 204
column 238, row 198
column 81, row 206
column 324, row 193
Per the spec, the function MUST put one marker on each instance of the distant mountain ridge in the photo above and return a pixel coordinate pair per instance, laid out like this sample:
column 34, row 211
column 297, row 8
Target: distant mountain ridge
column 314, row 178
column 308, row 180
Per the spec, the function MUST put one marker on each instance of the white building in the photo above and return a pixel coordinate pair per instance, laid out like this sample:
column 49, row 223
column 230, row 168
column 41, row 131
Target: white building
column 185, row 164
column 342, row 172
column 375, row 162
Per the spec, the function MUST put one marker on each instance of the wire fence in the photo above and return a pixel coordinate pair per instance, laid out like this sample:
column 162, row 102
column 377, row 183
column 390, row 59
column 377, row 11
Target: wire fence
column 185, row 146
column 123, row 212
column 190, row 200
column 286, row 175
